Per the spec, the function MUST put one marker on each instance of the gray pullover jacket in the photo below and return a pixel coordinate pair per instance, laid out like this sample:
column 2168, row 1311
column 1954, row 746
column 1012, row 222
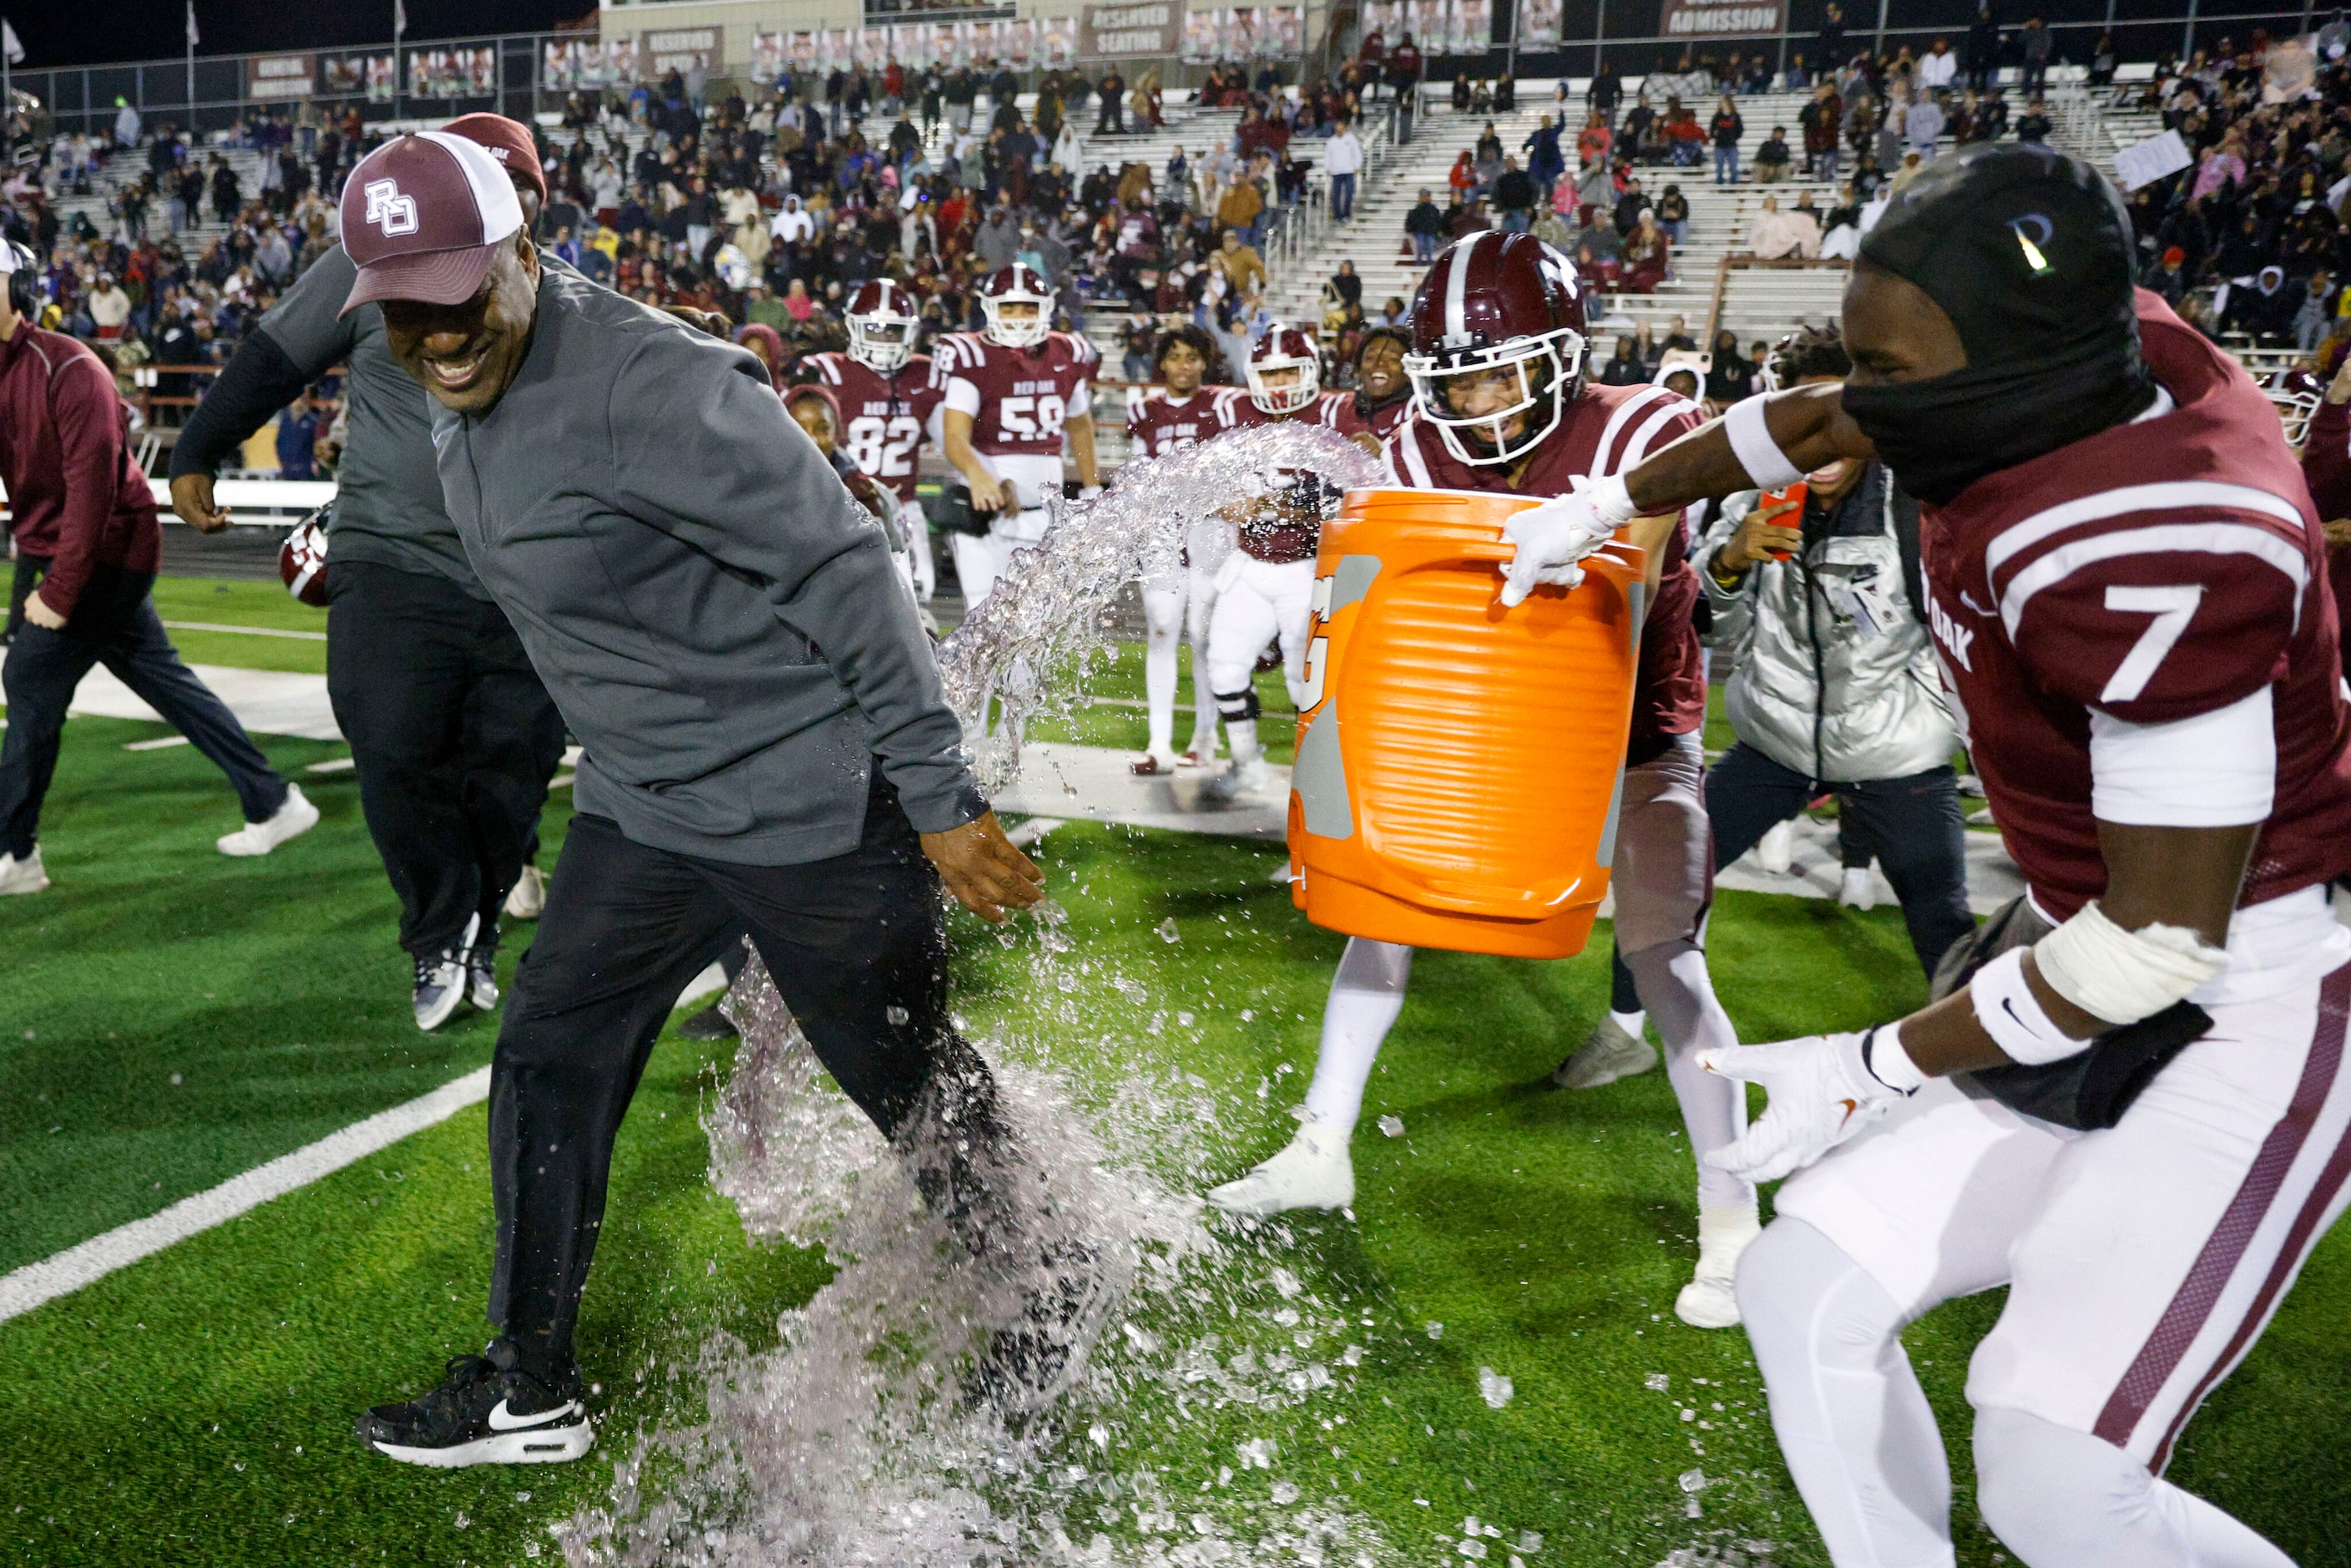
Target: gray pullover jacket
column 718, row 621
column 1831, row 673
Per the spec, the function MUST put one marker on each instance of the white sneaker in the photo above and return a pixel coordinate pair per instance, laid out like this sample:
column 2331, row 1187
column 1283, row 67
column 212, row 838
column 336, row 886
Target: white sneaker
column 1776, row 850
column 1709, row 1301
column 1152, row 765
column 1609, row 1054
column 528, row 895
column 1859, row 889
column 1313, row 1172
column 1243, row 778
column 23, row 875
column 290, row 821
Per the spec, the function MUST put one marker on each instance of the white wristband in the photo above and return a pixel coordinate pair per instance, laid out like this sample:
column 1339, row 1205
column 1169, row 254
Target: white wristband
column 1889, row 1063
column 1750, row 440
column 2124, row 976
column 2010, row 1013
column 1611, row 500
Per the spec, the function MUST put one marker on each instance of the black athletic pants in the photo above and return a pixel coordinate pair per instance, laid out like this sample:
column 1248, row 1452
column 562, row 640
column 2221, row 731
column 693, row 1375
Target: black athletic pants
column 1913, row 825
column 113, row 624
column 856, row 944
column 454, row 738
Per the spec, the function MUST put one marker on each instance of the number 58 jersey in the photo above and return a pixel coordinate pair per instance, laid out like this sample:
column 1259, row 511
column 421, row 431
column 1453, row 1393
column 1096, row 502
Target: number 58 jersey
column 2136, row 628
column 1018, row 399
column 884, row 417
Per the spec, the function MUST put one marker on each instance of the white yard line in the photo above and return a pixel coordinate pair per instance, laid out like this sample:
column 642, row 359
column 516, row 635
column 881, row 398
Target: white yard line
column 246, row 631
column 93, row 1260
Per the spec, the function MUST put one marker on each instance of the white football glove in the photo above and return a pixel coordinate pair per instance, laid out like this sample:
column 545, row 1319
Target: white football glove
column 1552, row 537
column 1822, row 1091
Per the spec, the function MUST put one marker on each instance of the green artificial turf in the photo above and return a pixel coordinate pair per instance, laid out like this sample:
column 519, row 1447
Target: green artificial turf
column 196, row 1407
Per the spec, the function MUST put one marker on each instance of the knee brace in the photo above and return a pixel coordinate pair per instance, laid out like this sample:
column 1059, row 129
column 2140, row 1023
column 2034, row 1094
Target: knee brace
column 1237, row 708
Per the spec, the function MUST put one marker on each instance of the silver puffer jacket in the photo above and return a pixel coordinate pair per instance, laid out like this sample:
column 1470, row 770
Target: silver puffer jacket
column 1832, row 674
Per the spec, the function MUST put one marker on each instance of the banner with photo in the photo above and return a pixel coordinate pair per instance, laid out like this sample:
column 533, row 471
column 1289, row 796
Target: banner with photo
column 1539, row 24
column 448, row 74
column 1470, row 26
column 874, row 47
column 1427, row 23
column 619, row 62
column 1202, row 42
column 767, row 56
column 1385, row 17
column 1282, row 32
column 1021, row 43
column 801, row 50
column 1057, row 40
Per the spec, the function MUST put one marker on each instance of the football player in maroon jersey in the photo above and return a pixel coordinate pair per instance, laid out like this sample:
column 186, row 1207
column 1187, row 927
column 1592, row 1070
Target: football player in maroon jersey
column 2136, row 1111
column 1383, row 393
column 1265, row 588
column 1188, row 412
column 885, row 397
column 1500, row 404
column 1010, row 394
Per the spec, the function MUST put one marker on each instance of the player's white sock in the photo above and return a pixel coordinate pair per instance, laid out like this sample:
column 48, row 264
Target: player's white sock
column 1679, row 998
column 1632, row 1023
column 1163, row 621
column 1724, row 1234
column 1853, row 1425
column 1240, row 734
column 1366, row 995
column 2062, row 1498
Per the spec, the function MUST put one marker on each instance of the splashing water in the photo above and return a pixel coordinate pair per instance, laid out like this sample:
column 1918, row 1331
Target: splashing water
column 1023, row 649
column 854, row 1441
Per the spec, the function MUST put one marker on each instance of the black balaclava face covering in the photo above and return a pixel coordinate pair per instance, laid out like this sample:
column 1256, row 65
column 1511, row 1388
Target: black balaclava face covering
column 2028, row 251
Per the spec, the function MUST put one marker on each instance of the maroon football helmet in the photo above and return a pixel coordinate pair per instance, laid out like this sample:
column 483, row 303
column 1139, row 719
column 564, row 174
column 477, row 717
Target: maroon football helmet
column 2297, row 392
column 1282, row 348
column 1503, row 306
column 1018, row 284
column 882, row 322
column 302, row 558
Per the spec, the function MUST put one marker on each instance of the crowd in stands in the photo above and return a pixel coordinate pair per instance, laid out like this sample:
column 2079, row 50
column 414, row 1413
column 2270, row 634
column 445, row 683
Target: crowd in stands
column 2250, row 237
column 769, row 210
column 1866, row 127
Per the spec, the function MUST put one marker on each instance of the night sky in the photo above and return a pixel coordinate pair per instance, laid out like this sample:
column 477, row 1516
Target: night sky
column 76, row 32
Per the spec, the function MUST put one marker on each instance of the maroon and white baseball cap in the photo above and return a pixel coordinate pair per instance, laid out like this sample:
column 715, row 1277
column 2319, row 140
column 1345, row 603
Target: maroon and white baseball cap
column 424, row 217
column 507, row 141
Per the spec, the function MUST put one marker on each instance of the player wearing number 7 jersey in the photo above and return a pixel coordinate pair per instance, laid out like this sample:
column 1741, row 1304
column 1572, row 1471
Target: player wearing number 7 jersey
column 1009, row 395
column 886, row 400
column 2136, row 1111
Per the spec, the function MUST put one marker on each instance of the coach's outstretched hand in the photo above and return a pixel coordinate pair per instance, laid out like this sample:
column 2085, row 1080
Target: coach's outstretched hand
column 1823, row 1093
column 980, row 866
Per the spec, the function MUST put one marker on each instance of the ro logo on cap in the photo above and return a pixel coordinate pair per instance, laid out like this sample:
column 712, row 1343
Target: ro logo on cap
column 388, row 210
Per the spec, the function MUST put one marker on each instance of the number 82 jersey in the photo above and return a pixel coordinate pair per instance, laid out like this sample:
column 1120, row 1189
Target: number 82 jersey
column 884, row 417
column 1018, row 399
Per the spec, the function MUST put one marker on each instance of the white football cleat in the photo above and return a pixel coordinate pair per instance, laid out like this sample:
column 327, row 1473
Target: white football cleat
column 24, row 875
column 1709, row 1301
column 296, row 817
column 1858, row 891
column 1609, row 1054
column 1776, row 850
column 528, row 897
column 1245, row 777
column 1313, row 1172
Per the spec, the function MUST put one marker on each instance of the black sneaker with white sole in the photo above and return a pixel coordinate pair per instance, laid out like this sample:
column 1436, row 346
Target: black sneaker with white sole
column 482, row 975
column 487, row 1411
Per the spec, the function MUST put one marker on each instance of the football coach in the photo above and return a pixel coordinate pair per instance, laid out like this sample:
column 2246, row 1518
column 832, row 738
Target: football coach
column 766, row 744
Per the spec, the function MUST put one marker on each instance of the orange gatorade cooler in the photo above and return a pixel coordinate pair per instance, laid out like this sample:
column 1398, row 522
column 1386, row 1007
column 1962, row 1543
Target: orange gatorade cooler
column 1460, row 765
